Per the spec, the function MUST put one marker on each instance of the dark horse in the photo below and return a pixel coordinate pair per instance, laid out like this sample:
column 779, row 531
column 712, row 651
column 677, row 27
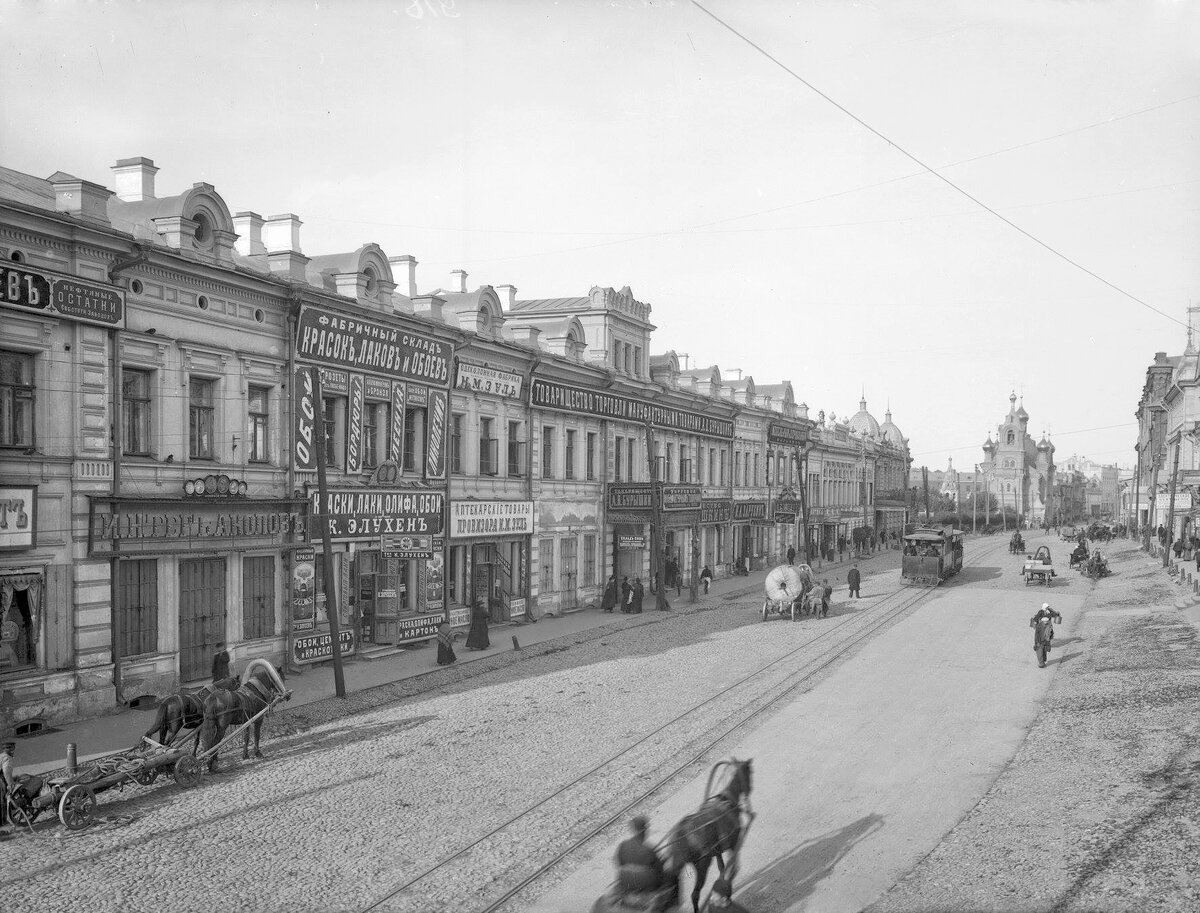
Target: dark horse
column 712, row 831
column 223, row 709
column 185, row 710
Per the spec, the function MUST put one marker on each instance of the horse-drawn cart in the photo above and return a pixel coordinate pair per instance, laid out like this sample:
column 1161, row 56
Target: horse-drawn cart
column 785, row 588
column 1039, row 568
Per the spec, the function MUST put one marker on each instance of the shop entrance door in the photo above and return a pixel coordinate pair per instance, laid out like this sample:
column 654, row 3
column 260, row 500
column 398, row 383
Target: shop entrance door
column 570, row 573
column 201, row 615
column 482, row 589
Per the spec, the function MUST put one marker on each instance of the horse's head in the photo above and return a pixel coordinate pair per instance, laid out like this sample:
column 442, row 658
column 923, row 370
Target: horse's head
column 740, row 782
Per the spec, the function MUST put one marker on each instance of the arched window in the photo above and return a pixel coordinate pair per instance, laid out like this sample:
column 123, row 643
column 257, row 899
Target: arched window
column 485, row 318
column 1012, row 437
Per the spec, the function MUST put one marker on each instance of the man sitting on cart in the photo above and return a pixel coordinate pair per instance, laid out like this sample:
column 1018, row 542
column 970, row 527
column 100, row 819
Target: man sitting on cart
column 639, row 868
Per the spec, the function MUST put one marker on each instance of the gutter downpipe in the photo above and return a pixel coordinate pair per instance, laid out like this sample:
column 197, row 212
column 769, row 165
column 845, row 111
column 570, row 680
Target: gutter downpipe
column 139, row 254
column 529, row 600
column 294, row 303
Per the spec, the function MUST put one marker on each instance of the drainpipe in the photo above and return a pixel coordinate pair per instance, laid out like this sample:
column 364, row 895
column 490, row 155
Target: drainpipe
column 288, row 437
column 529, row 607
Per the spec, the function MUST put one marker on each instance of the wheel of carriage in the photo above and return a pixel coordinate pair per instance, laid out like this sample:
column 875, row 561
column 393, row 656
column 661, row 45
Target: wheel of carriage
column 145, row 776
column 77, row 807
column 188, row 771
column 20, row 814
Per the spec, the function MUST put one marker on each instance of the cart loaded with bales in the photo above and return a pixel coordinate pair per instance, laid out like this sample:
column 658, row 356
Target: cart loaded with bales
column 1038, row 567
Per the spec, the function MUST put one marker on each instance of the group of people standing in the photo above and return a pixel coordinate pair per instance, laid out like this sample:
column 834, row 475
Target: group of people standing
column 477, row 635
column 627, row 595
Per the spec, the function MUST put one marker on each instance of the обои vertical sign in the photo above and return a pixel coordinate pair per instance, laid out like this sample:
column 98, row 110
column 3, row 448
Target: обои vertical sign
column 306, row 417
column 435, row 465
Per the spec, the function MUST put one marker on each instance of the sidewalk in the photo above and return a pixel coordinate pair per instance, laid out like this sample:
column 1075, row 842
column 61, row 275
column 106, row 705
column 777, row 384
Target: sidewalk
column 108, row 734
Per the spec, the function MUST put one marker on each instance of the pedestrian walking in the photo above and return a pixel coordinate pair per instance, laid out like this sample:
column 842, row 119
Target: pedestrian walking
column 637, row 595
column 854, row 581
column 841, row 543
column 826, row 596
column 477, row 636
column 706, row 578
column 220, row 666
column 611, row 596
column 8, row 780
column 791, row 555
column 626, row 596
column 445, row 642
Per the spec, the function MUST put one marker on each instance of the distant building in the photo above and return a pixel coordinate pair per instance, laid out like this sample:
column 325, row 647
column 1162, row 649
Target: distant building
column 1023, row 472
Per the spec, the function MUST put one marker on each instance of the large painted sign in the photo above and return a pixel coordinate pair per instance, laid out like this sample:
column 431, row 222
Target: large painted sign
column 62, row 296
column 490, row 518
column 435, row 440
column 480, row 379
column 547, row 395
column 636, row 496
column 18, row 517
column 305, row 430
column 354, row 513
column 330, row 338
column 313, row 648
column 787, row 435
column 716, row 510
column 172, row 526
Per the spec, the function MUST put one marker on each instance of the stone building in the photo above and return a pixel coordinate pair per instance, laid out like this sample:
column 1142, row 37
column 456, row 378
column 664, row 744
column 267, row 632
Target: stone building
column 1020, row 472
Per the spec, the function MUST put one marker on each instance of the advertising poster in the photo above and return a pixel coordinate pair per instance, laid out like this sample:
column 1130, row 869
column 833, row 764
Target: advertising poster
column 354, row 424
column 306, row 421
column 434, row 584
column 304, row 578
column 435, row 460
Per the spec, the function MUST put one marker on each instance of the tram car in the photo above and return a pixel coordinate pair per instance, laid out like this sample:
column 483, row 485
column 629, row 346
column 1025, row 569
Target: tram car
column 931, row 555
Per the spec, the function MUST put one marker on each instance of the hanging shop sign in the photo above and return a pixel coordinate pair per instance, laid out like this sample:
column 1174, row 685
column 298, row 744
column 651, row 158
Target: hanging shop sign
column 18, row 517
column 744, row 511
column 55, row 295
column 330, row 338
column 304, row 578
column 355, row 513
column 354, row 424
column 378, row 389
column 479, row 379
column 637, row 496
column 716, row 510
column 788, row 505
column 158, row 526
column 784, row 516
column 490, row 518
column 631, row 543
column 313, row 648
column 561, row 397
column 405, row 547
column 305, row 420
column 787, row 435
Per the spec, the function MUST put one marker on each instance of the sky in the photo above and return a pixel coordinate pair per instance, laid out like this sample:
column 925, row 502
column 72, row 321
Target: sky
column 810, row 191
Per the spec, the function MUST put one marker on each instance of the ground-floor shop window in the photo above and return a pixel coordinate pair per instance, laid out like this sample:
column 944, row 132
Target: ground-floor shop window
column 258, row 597
column 546, row 562
column 137, row 592
column 20, row 620
column 570, row 564
column 589, row 561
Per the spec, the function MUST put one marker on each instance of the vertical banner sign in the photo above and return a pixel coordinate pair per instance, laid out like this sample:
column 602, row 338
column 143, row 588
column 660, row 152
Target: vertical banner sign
column 435, row 462
column 354, row 424
column 396, row 432
column 304, row 603
column 306, row 417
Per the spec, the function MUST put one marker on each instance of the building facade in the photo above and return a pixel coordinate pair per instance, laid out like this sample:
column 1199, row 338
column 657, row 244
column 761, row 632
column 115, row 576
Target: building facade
column 1019, row 472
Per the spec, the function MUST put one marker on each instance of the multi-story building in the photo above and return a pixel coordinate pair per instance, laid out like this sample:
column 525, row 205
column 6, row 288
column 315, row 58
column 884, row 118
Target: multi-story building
column 1019, row 472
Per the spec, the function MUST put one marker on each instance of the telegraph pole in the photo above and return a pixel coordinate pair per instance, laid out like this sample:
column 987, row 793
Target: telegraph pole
column 802, row 466
column 1135, row 526
column 656, row 493
column 1171, row 503
column 331, row 587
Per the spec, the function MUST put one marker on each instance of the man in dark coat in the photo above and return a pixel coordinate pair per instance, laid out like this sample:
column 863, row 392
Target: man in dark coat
column 220, row 666
column 610, row 594
column 791, row 555
column 639, row 593
column 854, row 581
column 626, row 596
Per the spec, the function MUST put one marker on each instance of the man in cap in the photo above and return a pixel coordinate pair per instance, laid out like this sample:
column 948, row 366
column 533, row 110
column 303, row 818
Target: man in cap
column 638, row 866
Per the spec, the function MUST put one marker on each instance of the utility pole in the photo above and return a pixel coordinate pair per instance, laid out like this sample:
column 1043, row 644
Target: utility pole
column 802, row 466
column 656, row 493
column 1135, row 526
column 322, row 519
column 1157, row 456
column 925, row 480
column 974, row 486
column 1171, row 503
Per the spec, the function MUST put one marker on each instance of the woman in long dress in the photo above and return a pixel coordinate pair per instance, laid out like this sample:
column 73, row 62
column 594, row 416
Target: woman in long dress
column 445, row 645
column 609, row 602
column 477, row 637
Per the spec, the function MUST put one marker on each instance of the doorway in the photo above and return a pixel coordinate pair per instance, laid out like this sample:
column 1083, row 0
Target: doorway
column 201, row 615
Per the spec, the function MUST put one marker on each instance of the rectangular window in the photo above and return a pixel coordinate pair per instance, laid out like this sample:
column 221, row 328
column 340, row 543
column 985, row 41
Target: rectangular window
column 489, row 448
column 200, row 418
column 16, row 399
column 631, row 471
column 334, row 415
column 637, row 360
column 591, row 456
column 137, row 589
column 456, row 436
column 258, row 425
column 414, row 441
column 627, row 358
column 756, row 469
column 376, row 422
column 684, row 465
column 589, row 561
column 616, row 355
column 546, row 562
column 547, row 452
column 135, row 411
column 722, row 469
column 737, row 467
column 617, row 458
column 569, row 456
column 516, row 450
column 670, row 465
column 258, row 597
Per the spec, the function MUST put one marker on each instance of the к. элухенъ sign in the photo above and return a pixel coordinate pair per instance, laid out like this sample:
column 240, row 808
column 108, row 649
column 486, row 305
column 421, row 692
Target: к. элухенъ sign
column 547, row 395
column 490, row 518
column 61, row 296
column 371, row 512
column 330, row 338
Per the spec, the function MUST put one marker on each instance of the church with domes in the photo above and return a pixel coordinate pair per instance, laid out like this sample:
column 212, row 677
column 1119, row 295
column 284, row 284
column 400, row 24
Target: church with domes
column 1020, row 472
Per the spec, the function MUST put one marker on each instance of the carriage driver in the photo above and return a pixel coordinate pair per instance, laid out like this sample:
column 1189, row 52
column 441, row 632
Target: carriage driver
column 638, row 866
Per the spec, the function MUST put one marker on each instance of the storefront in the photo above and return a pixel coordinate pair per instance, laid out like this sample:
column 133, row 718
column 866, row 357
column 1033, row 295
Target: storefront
column 631, row 514
column 489, row 558
column 715, row 516
column 192, row 573
column 749, row 532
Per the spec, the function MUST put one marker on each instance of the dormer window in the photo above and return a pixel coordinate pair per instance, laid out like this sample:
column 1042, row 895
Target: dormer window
column 372, row 278
column 203, row 234
column 485, row 319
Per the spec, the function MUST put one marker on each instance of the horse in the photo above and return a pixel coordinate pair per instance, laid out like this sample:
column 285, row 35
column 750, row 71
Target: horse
column 262, row 682
column 814, row 602
column 184, row 710
column 712, row 831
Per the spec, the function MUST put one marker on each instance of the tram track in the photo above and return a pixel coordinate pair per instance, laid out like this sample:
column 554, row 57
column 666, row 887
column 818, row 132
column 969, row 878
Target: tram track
column 854, row 630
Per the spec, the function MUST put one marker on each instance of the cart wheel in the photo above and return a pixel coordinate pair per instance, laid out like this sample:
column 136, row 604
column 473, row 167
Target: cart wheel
column 188, row 771
column 77, row 807
column 145, row 776
column 19, row 814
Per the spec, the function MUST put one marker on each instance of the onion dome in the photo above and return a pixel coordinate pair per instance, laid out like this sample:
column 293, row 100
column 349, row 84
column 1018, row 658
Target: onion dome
column 989, row 446
column 862, row 422
column 1021, row 413
column 890, row 432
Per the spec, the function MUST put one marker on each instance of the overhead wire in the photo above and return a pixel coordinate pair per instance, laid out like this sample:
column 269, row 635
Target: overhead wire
column 930, row 170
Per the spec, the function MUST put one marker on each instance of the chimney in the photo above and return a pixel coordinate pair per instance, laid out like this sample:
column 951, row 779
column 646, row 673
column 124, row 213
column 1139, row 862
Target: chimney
column 405, row 266
column 1160, row 358
column 526, row 336
column 508, row 296
column 429, row 306
column 249, row 228
column 80, row 198
column 135, row 179
column 281, row 237
column 458, row 280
